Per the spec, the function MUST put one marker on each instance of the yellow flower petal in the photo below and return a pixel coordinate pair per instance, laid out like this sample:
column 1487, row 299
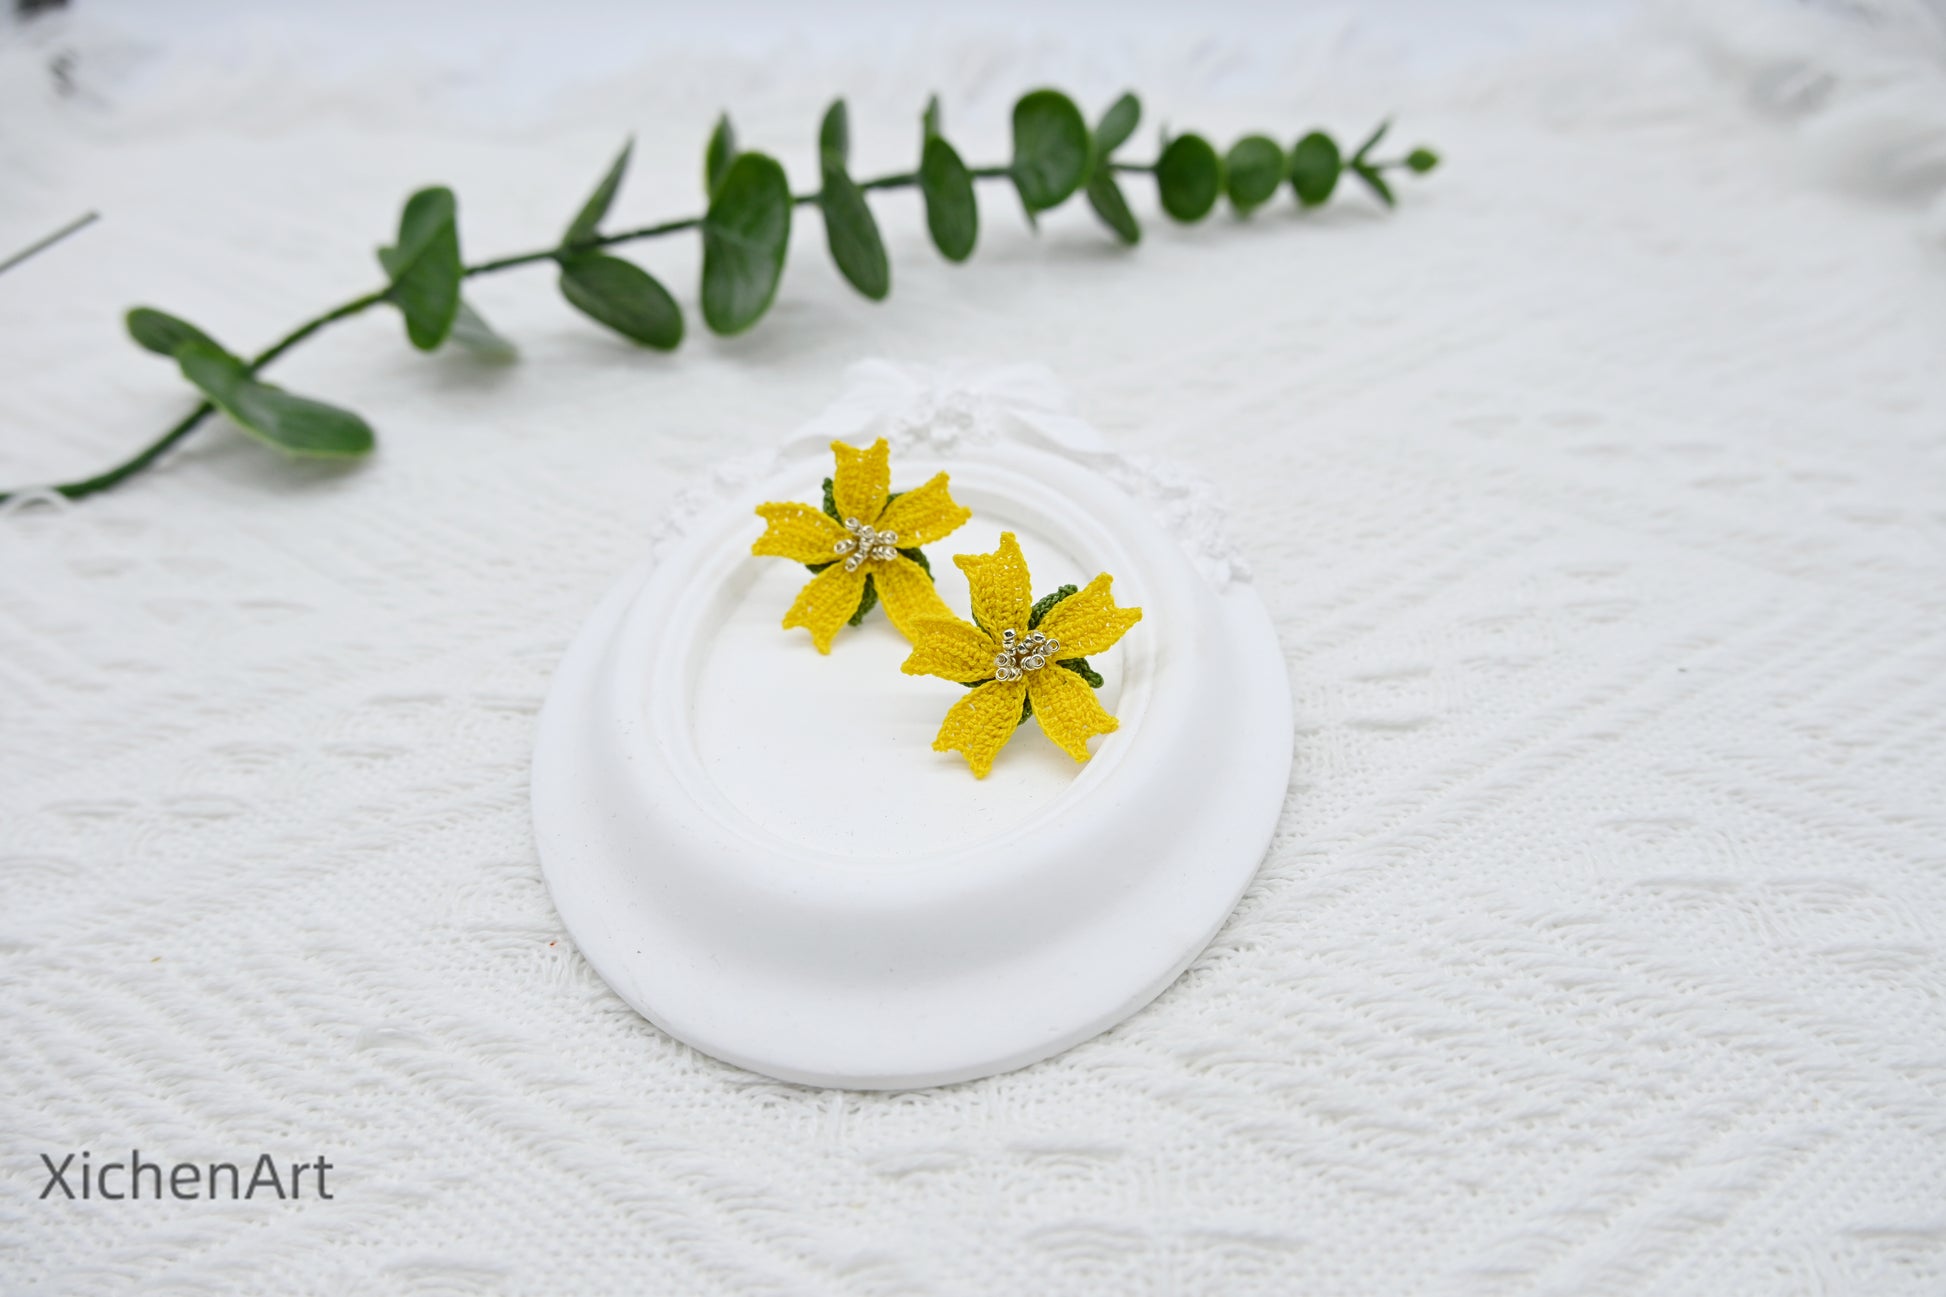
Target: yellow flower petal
column 797, row 532
column 1003, row 592
column 950, row 649
column 907, row 593
column 1066, row 708
column 863, row 479
column 1088, row 621
column 826, row 603
column 924, row 514
column 980, row 724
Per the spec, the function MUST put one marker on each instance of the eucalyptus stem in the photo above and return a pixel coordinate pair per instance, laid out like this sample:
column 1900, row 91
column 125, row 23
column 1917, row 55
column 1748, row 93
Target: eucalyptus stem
column 129, row 467
column 74, row 226
column 748, row 216
column 161, row 446
column 156, row 449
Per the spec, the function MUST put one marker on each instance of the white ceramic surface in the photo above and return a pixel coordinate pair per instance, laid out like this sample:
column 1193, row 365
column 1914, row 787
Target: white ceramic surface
column 757, row 847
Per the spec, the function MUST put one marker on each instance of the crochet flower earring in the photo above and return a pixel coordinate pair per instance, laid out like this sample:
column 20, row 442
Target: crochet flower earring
column 863, row 545
column 1020, row 658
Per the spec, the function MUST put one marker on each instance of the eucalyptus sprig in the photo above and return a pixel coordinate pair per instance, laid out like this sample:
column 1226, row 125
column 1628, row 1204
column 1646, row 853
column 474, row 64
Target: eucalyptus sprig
column 746, row 234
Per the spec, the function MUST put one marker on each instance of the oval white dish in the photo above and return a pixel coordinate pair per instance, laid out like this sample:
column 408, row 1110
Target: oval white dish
column 756, row 846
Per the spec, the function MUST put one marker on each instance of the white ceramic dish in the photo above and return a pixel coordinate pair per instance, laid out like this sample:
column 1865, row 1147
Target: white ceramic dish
column 758, row 849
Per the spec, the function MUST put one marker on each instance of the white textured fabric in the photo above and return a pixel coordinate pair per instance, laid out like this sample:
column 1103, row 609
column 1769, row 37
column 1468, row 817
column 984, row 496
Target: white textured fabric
column 1596, row 495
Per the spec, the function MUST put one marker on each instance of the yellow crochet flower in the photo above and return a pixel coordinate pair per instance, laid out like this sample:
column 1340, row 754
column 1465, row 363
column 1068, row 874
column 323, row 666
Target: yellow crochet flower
column 863, row 545
column 1023, row 658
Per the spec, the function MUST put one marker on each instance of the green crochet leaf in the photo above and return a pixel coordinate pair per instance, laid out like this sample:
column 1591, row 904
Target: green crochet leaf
column 1081, row 668
column 866, row 602
column 1047, row 602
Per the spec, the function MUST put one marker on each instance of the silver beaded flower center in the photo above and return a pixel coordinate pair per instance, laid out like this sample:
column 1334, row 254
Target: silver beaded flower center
column 1019, row 656
column 864, row 543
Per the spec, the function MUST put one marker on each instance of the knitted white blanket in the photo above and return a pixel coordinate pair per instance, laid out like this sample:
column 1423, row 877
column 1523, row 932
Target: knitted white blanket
column 1597, row 496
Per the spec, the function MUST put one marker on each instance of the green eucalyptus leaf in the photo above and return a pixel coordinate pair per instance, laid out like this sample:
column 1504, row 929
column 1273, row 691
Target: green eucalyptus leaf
column 587, row 222
column 296, row 425
column 623, row 296
column 1117, row 124
column 1189, row 176
column 472, row 332
column 470, row 329
column 1422, row 160
column 1371, row 141
column 834, row 136
column 852, row 234
column 746, row 233
column 425, row 266
column 721, row 152
column 1105, row 196
column 929, row 120
column 1374, row 182
column 952, row 213
column 1252, row 171
column 1052, row 149
column 163, row 333
column 1315, row 167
